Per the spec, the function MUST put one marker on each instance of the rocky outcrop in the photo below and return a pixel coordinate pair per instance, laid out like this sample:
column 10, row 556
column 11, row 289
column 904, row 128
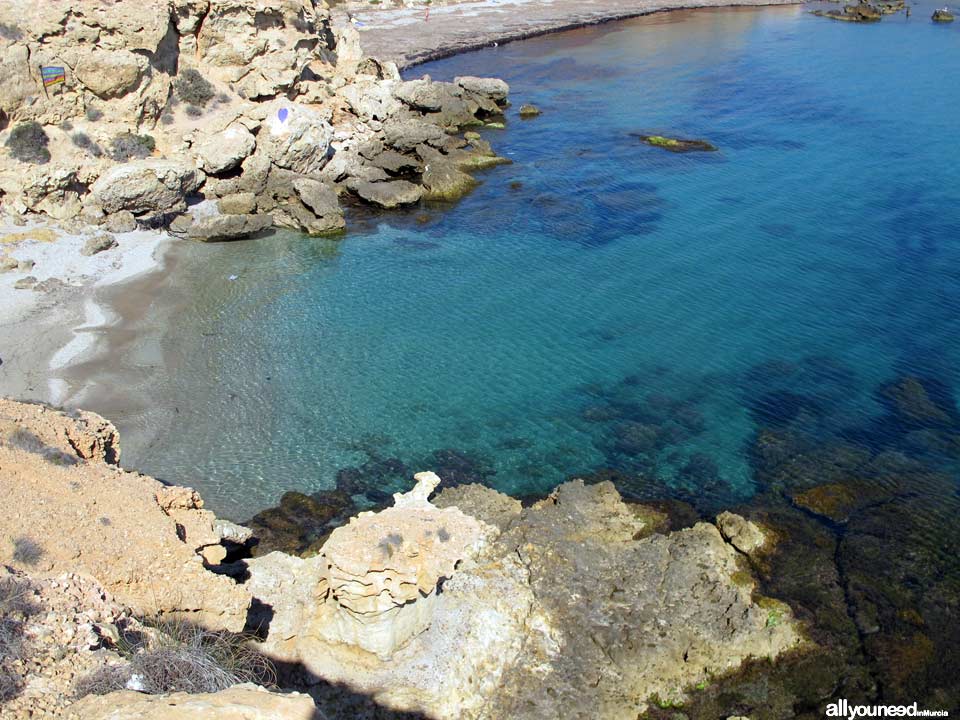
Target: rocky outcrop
column 514, row 604
column 171, row 102
column 383, row 569
column 463, row 608
column 240, row 702
column 61, row 471
column 375, row 579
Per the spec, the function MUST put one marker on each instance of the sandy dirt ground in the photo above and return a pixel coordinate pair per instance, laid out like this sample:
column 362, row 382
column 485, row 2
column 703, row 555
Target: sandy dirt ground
column 409, row 35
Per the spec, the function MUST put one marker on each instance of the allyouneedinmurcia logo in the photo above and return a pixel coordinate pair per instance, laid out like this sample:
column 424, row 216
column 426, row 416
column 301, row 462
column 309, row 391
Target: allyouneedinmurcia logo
column 843, row 709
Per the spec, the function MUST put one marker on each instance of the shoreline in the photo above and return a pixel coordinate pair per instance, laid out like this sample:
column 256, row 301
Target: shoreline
column 50, row 332
column 92, row 320
column 402, row 36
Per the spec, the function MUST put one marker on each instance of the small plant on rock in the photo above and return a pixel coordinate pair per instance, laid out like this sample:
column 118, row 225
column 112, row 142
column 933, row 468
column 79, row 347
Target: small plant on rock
column 93, row 114
column 193, row 111
column 181, row 657
column 193, row 88
column 128, row 146
column 15, row 608
column 27, row 551
column 28, row 143
column 84, row 142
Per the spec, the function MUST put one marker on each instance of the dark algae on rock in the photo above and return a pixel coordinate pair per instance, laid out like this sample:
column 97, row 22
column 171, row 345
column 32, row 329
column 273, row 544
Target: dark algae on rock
column 677, row 145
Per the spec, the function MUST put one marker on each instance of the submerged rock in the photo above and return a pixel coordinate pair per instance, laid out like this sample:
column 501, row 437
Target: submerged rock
column 676, row 145
column 861, row 12
column 942, row 15
column 529, row 111
column 300, row 522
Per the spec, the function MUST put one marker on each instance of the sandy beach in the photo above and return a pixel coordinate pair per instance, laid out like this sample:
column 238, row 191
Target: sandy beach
column 50, row 328
column 411, row 35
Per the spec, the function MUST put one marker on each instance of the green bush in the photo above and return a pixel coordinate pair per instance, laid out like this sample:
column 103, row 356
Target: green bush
column 181, row 657
column 28, row 143
column 93, row 114
column 193, row 111
column 128, row 146
column 193, row 88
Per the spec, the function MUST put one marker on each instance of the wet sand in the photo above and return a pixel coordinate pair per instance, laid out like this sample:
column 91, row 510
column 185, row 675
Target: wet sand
column 408, row 35
column 46, row 333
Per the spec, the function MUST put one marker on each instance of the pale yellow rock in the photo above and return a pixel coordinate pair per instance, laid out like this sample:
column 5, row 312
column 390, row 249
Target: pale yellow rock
column 241, row 702
column 110, row 73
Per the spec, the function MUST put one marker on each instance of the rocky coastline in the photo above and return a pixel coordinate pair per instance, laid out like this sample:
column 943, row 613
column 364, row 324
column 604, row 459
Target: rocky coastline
column 450, row 600
column 457, row 604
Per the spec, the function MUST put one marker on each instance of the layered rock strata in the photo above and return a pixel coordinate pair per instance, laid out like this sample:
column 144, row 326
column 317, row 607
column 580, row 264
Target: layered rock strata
column 576, row 593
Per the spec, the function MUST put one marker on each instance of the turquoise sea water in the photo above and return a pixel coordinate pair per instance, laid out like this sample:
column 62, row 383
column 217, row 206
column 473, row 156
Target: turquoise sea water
column 601, row 303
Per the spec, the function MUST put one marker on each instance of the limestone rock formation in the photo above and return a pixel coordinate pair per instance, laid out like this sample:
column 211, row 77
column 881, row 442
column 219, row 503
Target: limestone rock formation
column 225, row 150
column 146, row 186
column 142, row 540
column 375, row 580
column 166, row 103
column 387, row 194
column 579, row 593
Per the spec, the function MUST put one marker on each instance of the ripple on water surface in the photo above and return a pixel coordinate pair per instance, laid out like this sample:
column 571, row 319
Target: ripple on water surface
column 775, row 322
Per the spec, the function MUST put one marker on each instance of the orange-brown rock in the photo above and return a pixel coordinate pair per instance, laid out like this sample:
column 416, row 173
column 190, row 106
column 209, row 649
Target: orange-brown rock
column 67, row 507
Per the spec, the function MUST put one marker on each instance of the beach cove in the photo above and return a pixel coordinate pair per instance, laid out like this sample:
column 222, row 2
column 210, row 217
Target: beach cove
column 767, row 328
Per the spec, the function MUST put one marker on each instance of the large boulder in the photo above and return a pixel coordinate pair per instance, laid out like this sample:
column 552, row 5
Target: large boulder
column 295, row 138
column 423, row 94
column 146, row 186
column 225, row 150
column 110, row 73
column 217, row 228
column 493, row 88
column 371, row 99
column 322, row 200
column 405, row 135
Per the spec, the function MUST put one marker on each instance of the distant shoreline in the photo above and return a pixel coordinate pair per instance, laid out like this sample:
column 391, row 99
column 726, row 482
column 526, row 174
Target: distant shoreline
column 403, row 36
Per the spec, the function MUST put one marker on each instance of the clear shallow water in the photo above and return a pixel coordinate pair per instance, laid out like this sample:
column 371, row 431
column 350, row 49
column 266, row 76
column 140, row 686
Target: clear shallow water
column 623, row 307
